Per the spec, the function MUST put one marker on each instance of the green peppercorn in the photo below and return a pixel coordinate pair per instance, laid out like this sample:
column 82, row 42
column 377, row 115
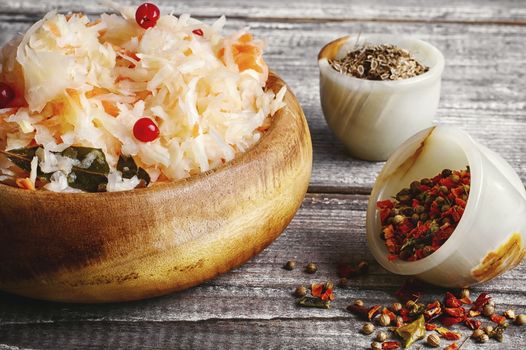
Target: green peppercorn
column 311, row 268
column 443, row 190
column 415, row 217
column 455, row 178
column 445, row 207
column 290, row 265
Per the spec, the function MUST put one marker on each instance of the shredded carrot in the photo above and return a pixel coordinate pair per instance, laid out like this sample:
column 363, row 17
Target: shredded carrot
column 93, row 23
column 97, row 91
column 110, row 108
column 195, row 130
column 53, row 28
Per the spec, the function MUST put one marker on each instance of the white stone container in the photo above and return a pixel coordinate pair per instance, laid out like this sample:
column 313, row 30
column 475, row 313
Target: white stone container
column 490, row 236
column 372, row 118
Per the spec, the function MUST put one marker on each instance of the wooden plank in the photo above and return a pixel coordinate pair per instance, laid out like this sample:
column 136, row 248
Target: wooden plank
column 486, row 11
column 483, row 87
column 251, row 305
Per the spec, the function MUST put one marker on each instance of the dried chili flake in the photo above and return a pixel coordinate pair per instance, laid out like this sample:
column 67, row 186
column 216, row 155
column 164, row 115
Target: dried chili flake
column 473, row 324
column 480, row 302
column 198, row 32
column 466, row 301
column 451, row 301
column 390, row 345
column 386, row 311
column 449, row 321
column 422, row 217
column 472, row 313
column 322, row 291
column 447, row 334
column 498, row 319
column 373, row 311
column 455, row 312
column 452, row 346
column 431, row 326
column 433, row 310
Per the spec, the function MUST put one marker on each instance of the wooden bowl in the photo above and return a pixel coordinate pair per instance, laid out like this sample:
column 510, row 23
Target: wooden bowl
column 119, row 246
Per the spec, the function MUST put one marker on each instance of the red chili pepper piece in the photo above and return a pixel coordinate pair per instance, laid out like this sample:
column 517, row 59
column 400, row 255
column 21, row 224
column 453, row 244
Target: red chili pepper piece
column 449, row 321
column 480, row 302
column 466, row 301
column 455, row 311
column 451, row 336
column 453, row 346
column 147, row 15
column 386, row 311
column 431, row 326
column 473, row 324
column 390, row 345
column 498, row 319
column 373, row 311
column 451, row 301
column 198, row 31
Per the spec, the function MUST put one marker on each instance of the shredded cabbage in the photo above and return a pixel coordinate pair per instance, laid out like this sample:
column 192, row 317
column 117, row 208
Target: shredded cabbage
column 86, row 83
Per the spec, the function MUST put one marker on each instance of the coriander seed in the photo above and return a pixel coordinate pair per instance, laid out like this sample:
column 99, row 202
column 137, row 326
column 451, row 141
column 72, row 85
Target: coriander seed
column 520, row 320
column 396, row 307
column 488, row 310
column 483, row 338
column 510, row 314
column 398, row 219
column 381, row 336
column 290, row 265
column 343, row 282
column 376, row 345
column 488, row 330
column 311, row 268
column 300, row 291
column 464, row 293
column 477, row 333
column 384, row 320
column 358, row 302
column 368, row 328
column 433, row 340
column 363, row 266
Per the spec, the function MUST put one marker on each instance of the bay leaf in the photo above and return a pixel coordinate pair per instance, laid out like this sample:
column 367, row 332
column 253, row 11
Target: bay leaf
column 21, row 157
column 413, row 331
column 127, row 166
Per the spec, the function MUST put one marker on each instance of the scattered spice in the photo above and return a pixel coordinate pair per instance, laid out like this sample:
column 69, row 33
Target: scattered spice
column 433, row 340
column 488, row 330
column 349, row 270
column 447, row 334
column 343, row 282
column 483, row 338
column 384, row 320
column 520, row 320
column 509, row 314
column 418, row 221
column 358, row 302
column 314, row 302
column 488, row 310
column 290, row 265
column 311, row 268
column 477, row 333
column 452, row 346
column 390, row 345
column 376, row 345
column 323, row 291
column 413, row 331
column 396, row 307
column 381, row 336
column 368, row 328
column 379, row 62
column 300, row 291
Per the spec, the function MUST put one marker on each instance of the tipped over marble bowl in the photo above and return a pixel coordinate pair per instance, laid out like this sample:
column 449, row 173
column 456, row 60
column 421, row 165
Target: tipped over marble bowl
column 373, row 117
column 491, row 235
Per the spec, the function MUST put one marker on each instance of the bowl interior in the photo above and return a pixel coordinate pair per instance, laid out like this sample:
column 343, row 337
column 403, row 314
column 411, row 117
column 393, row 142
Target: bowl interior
column 423, row 156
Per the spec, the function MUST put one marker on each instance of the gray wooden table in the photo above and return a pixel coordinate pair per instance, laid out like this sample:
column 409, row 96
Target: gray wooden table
column 484, row 92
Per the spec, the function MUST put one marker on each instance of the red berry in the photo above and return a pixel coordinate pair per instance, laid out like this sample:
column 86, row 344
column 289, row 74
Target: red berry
column 145, row 130
column 198, row 32
column 147, row 15
column 6, row 95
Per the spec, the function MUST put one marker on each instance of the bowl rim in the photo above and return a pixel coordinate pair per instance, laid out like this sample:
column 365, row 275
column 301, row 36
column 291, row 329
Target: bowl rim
column 332, row 48
column 470, row 148
column 274, row 82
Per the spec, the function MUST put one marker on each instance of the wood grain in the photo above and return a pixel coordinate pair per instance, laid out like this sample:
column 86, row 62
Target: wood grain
column 100, row 247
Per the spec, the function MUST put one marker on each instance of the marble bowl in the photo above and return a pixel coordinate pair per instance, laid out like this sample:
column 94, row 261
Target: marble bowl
column 491, row 234
column 372, row 118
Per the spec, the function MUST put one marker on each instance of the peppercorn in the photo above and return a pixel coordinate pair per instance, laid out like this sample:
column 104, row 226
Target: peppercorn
column 426, row 182
column 455, row 178
column 311, row 268
column 363, row 266
column 300, row 291
column 329, row 285
column 446, row 172
column 376, row 345
column 398, row 219
column 464, row 293
column 415, row 186
column 477, row 333
column 290, row 265
column 343, row 282
column 407, row 211
column 424, row 217
column 520, row 320
column 396, row 307
column 384, row 320
column 433, row 340
column 483, row 338
column 510, row 314
column 488, row 310
column 443, row 189
column 381, row 336
column 488, row 330
column 368, row 328
column 439, row 200
column 415, row 217
column 419, row 209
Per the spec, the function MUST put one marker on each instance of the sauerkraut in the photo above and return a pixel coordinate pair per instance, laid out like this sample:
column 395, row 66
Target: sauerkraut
column 82, row 82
